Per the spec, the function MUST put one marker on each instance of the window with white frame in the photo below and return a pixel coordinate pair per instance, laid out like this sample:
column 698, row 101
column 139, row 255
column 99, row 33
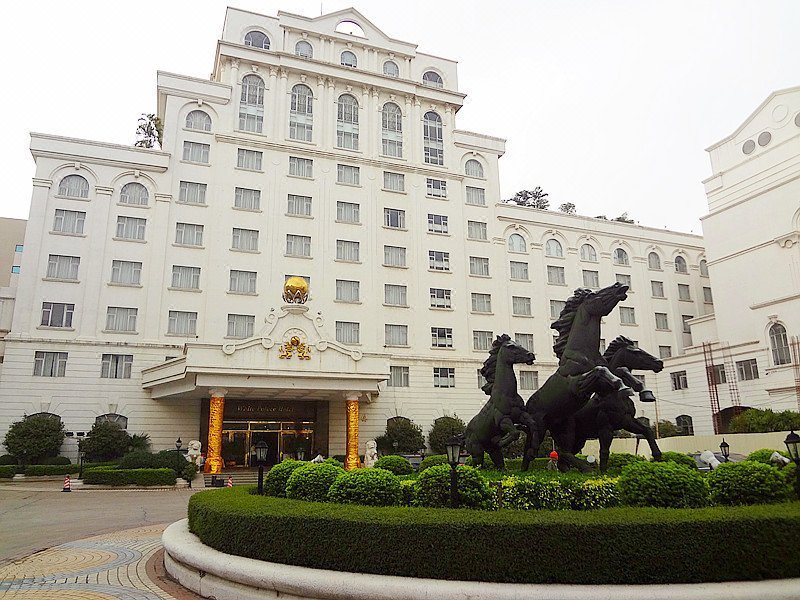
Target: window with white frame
column 249, row 159
column 198, row 120
column 347, row 290
column 529, row 380
column 348, row 59
column 481, row 380
column 747, row 370
column 627, row 315
column 69, row 221
column 553, row 248
column 680, row 265
column 686, row 327
column 432, row 139
column 664, row 351
column 556, row 306
column 525, row 340
column 73, row 186
column 303, row 49
column 684, row 292
column 251, row 104
column 244, row 239
column 130, row 228
column 441, row 298
column 661, row 321
column 475, row 196
column 519, row 270
column 394, row 256
column 476, row 230
column 588, row 253
column 653, row 262
column 135, row 194
column 126, row 272
column 395, row 295
column 679, row 380
column 437, row 223
column 182, row 322
column 703, row 268
column 391, row 69
column 394, row 182
column 298, row 245
column 392, row 130
column 479, row 265
column 707, row 297
column 441, row 337
column 188, row 234
column 49, row 364
column 657, row 289
column 482, row 340
column 591, row 279
column 256, row 39
column 347, row 122
column 348, row 212
column 57, row 314
column 684, row 424
column 241, row 326
column 718, row 374
column 242, row 282
column 444, row 377
column 394, row 218
column 438, row 261
column 516, row 243
column 301, row 113
column 398, row 376
column 185, row 278
column 63, row 267
column 191, row 192
column 556, row 275
column 432, row 79
column 436, row 188
column 624, row 280
column 301, row 167
column 481, row 303
column 121, row 318
column 196, row 152
column 348, row 250
column 116, row 366
column 620, row 257
column 298, row 206
column 347, row 332
column 521, row 306
column 780, row 345
column 472, row 168
column 348, row 175
column 247, row 199
column 395, row 335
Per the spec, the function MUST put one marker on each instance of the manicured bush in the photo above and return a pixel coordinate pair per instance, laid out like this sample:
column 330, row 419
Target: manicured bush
column 189, row 471
column 405, row 432
column 312, row 481
column 442, row 430
column 596, row 493
column 55, row 460
column 432, row 460
column 34, row 438
column 619, row 460
column 139, row 460
column 118, row 477
column 43, row 470
column 677, row 457
column 662, row 484
column 7, row 471
column 407, row 491
column 171, row 459
column 747, row 482
column 394, row 464
column 531, row 493
column 334, row 461
column 789, row 473
column 433, row 488
column 7, row 459
column 764, row 454
column 277, row 476
column 105, row 441
column 371, row 487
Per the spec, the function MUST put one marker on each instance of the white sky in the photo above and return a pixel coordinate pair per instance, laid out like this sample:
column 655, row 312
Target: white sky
column 606, row 104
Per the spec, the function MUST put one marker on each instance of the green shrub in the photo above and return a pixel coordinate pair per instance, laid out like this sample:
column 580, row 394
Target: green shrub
column 763, row 455
column 407, row 490
column 170, row 459
column 34, row 438
column 755, row 420
column 789, row 473
column 118, row 477
column 679, row 458
column 106, row 441
column 747, row 482
column 433, row 488
column 397, row 465
column 597, row 493
column 139, row 460
column 7, row 459
column 371, row 487
column 312, row 481
column 442, row 430
column 334, row 461
column 529, row 493
column 405, row 432
column 189, row 471
column 277, row 476
column 662, row 484
column 619, row 460
column 140, row 442
column 432, row 460
column 55, row 460
column 43, row 470
column 7, row 471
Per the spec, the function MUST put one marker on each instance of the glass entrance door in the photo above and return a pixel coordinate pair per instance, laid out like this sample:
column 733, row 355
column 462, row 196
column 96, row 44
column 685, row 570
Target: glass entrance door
column 283, row 439
column 270, row 438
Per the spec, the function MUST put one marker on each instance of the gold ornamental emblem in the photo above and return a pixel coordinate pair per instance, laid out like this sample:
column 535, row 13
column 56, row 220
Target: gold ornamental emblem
column 295, row 290
column 294, row 345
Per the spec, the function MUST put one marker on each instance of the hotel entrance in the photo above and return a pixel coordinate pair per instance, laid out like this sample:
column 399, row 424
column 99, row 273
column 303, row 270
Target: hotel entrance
column 284, row 440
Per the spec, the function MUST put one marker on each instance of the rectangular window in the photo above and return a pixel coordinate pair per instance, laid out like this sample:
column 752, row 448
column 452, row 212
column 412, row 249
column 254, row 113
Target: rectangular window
column 437, row 188
column 521, row 306
column 348, row 175
column 395, row 182
column 627, row 315
column 476, row 230
column 242, row 282
column 241, row 326
column 624, row 280
column 481, row 303
column 437, row 223
column 555, row 275
column 396, row 335
column 661, row 321
column 556, row 306
column 196, row 152
column 438, row 261
column 679, row 381
column 49, row 364
column 686, row 327
column 442, row 337
column 476, row 196
column 347, row 290
column 444, row 377
column 482, row 340
column 299, row 206
column 119, row 318
column 348, row 212
column 664, row 351
column 63, row 267
column 478, row 265
column 298, row 245
column 192, row 193
column 394, row 256
column 182, row 322
column 529, row 380
column 116, row 366
column 441, row 298
column 395, row 295
column 247, row 199
column 57, row 314
column 15, row 269
column 591, row 279
column 186, row 278
column 347, row 250
column 718, row 374
column 519, row 270
column 683, row 292
column 301, row 167
column 130, row 228
column 707, row 297
column 525, row 340
column 249, row 159
column 244, row 239
column 69, row 221
column 347, row 332
column 19, row 247
column 657, row 289
column 747, row 369
column 394, row 218
column 126, row 272
column 398, row 377
column 188, row 234
column 481, row 380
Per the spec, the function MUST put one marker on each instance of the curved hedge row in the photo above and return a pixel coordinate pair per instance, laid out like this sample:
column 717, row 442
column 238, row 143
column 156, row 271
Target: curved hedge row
column 116, row 477
column 505, row 546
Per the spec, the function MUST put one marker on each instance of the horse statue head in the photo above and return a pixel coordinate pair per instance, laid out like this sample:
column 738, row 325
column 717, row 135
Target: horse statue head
column 622, row 352
column 506, row 351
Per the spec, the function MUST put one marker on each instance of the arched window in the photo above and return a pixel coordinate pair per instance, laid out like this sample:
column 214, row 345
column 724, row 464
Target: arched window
column 391, row 69
column 347, row 122
column 112, row 418
column 621, row 257
column 256, row 39
column 780, row 345
column 74, row 186
column 251, row 106
column 44, row 415
column 432, row 138
column 432, row 79
column 199, row 120
column 303, row 49
column 516, row 243
column 703, row 268
column 553, row 248
column 349, row 59
column 588, row 253
column 134, row 193
column 680, row 265
column 301, row 113
column 654, row 261
column 392, row 130
column 473, row 168
column 685, row 425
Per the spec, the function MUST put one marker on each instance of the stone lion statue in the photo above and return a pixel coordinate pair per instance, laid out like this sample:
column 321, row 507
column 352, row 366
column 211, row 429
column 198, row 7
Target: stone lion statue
column 193, row 452
column 370, row 453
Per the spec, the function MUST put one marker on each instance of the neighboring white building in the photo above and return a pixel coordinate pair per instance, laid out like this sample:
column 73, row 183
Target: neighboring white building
column 153, row 279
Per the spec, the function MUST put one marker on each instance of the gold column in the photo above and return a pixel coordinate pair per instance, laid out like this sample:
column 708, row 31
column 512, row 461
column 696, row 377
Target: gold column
column 214, row 461
column 351, row 460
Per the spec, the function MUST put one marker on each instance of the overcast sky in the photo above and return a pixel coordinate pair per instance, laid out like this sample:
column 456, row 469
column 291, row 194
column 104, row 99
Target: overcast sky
column 608, row 105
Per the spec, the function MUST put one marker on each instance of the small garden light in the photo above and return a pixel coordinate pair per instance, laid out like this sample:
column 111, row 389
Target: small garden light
column 792, row 442
column 178, row 444
column 261, row 458
column 453, row 452
column 395, row 446
column 725, row 448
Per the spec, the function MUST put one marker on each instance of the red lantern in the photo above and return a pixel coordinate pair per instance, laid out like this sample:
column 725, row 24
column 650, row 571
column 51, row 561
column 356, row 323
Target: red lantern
column 554, row 455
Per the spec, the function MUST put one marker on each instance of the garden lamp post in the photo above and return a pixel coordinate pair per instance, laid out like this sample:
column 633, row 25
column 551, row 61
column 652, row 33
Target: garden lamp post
column 725, row 448
column 178, row 444
column 395, row 446
column 453, row 451
column 301, row 453
column 81, row 455
column 792, row 442
column 261, row 458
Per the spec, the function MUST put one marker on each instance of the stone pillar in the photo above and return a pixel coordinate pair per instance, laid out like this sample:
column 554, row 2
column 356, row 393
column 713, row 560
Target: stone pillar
column 236, row 93
column 214, row 461
column 351, row 460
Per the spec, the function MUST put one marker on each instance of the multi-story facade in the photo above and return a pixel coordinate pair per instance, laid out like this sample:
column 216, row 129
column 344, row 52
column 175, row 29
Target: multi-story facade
column 12, row 234
column 151, row 282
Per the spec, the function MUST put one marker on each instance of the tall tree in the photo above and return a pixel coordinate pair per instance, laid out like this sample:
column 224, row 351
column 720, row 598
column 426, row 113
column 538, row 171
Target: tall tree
column 535, row 198
column 567, row 207
column 149, row 132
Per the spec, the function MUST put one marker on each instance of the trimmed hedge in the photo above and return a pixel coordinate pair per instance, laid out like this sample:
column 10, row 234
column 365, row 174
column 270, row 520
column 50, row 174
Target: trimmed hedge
column 559, row 493
column 662, row 484
column 679, row 458
column 394, row 463
column 277, row 476
column 370, row 487
column 432, row 461
column 619, row 460
column 432, row 488
column 402, row 540
column 762, row 455
column 54, row 460
column 42, row 470
column 747, row 482
column 117, row 477
column 7, row 471
column 312, row 481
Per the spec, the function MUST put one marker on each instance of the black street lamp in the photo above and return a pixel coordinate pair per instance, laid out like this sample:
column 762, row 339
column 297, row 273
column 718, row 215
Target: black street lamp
column 395, row 445
column 792, row 442
column 453, row 451
column 725, row 448
column 261, row 458
column 178, row 444
column 81, row 455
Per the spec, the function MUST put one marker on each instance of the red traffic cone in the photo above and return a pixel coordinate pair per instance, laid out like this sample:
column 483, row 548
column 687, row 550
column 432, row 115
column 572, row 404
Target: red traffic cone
column 230, row 481
column 66, row 487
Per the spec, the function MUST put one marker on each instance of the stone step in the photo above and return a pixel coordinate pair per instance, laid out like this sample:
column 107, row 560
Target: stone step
column 239, row 478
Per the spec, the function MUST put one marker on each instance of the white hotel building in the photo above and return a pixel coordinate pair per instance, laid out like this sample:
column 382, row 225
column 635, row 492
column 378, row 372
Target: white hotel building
column 151, row 280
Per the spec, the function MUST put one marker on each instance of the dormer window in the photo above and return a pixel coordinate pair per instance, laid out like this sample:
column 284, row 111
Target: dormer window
column 432, row 79
column 349, row 59
column 391, row 69
column 257, row 39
